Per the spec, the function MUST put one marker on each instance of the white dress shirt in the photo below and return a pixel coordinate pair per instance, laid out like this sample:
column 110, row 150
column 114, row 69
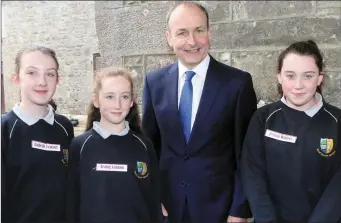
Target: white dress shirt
column 198, row 81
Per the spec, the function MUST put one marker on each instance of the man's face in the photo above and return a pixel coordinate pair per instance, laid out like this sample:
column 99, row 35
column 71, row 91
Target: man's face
column 188, row 35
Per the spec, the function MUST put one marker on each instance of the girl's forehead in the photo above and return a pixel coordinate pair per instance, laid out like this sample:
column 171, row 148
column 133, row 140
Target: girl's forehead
column 38, row 59
column 293, row 58
column 296, row 61
column 115, row 80
column 118, row 83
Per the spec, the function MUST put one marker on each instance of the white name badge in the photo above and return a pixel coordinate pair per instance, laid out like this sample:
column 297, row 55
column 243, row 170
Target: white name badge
column 45, row 146
column 280, row 136
column 111, row 167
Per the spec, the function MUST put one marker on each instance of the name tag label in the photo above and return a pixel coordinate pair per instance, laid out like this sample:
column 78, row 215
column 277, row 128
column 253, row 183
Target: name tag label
column 45, row 146
column 111, row 167
column 280, row 136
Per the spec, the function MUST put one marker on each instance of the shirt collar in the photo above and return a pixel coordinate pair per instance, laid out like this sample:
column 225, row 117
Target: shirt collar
column 31, row 120
column 200, row 70
column 105, row 134
column 313, row 110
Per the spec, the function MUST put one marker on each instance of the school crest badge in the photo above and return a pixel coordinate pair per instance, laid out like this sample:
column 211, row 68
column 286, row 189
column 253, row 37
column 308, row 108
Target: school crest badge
column 326, row 147
column 141, row 170
column 65, row 159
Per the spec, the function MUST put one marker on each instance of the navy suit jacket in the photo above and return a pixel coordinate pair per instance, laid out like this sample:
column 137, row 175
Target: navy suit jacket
column 206, row 170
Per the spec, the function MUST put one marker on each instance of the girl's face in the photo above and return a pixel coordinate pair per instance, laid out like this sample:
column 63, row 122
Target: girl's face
column 37, row 78
column 299, row 78
column 114, row 100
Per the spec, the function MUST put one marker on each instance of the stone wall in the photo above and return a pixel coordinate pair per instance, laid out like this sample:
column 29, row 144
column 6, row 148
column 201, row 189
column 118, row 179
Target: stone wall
column 68, row 28
column 246, row 34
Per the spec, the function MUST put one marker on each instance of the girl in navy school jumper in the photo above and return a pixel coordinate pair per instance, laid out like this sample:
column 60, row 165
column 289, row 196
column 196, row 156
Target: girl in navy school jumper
column 34, row 144
column 113, row 167
column 292, row 150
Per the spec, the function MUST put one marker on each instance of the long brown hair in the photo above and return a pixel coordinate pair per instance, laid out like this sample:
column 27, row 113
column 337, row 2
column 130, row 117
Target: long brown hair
column 94, row 114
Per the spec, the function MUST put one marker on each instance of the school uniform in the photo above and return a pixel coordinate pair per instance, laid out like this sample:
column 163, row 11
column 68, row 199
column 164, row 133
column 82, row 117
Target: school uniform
column 289, row 158
column 114, row 178
column 34, row 156
column 328, row 207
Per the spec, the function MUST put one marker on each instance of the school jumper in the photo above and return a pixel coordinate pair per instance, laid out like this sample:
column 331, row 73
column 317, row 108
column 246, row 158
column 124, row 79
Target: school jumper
column 34, row 156
column 114, row 177
column 289, row 158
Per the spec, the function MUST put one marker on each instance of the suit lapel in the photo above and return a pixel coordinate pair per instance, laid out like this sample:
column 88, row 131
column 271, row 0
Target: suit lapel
column 211, row 88
column 171, row 88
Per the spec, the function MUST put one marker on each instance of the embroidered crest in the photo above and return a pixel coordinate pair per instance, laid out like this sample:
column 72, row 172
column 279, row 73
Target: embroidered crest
column 65, row 159
column 326, row 147
column 141, row 170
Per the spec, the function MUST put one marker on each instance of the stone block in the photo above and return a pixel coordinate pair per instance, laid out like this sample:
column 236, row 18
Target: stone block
column 130, row 3
column 217, row 10
column 266, row 88
column 108, row 5
column 157, row 61
column 329, row 11
column 332, row 58
column 262, row 67
column 332, row 88
column 224, row 57
column 133, row 60
column 244, row 34
column 328, row 4
column 258, row 63
column 267, row 9
column 133, row 30
column 328, row 8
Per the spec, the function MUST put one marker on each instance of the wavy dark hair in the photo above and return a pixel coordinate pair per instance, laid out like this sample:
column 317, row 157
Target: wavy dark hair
column 94, row 114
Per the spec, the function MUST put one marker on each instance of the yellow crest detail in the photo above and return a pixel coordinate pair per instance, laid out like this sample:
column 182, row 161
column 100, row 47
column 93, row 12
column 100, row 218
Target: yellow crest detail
column 141, row 170
column 326, row 147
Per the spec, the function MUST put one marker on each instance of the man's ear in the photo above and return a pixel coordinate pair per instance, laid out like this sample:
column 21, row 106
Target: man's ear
column 209, row 34
column 169, row 38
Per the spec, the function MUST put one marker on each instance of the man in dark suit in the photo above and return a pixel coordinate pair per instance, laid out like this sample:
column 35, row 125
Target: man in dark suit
column 196, row 112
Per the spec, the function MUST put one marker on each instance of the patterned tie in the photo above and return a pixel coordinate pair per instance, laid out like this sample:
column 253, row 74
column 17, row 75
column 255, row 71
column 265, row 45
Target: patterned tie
column 185, row 107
